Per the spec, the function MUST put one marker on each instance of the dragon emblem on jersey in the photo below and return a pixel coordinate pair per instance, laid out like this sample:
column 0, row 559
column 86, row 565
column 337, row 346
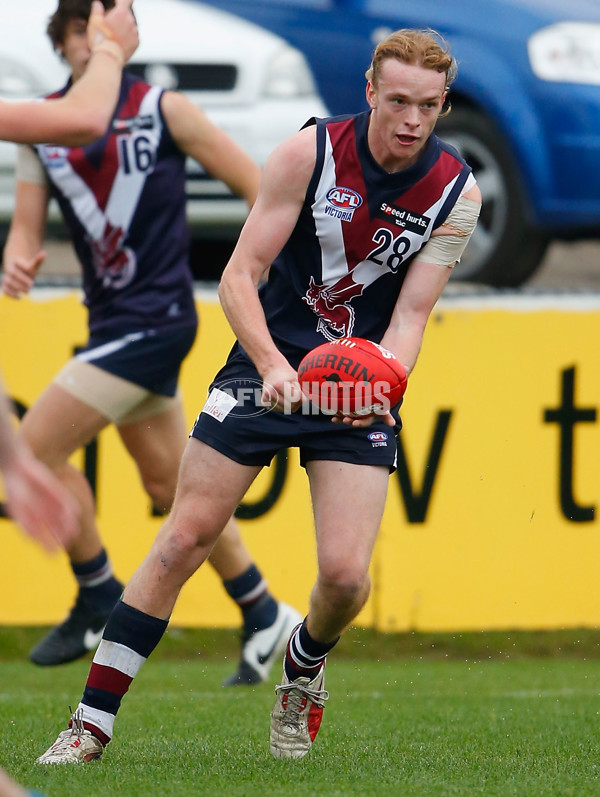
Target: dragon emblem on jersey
column 332, row 304
column 114, row 263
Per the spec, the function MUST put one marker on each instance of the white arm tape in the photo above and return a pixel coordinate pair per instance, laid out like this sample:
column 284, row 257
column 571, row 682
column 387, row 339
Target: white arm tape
column 28, row 168
column 445, row 248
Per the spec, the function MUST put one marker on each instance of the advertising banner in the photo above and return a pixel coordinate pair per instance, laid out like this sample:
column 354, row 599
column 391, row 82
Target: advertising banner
column 492, row 516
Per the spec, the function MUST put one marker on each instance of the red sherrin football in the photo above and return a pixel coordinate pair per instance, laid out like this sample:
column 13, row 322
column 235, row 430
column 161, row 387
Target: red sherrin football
column 352, row 376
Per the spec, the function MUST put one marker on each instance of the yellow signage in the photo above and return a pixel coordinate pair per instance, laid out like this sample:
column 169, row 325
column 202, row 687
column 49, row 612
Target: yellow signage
column 492, row 516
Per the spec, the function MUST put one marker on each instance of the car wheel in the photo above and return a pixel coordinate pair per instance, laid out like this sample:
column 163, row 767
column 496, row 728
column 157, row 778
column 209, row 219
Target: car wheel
column 505, row 250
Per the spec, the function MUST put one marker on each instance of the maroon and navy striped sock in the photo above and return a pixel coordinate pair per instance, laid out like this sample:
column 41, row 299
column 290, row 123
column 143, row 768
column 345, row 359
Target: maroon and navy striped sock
column 129, row 638
column 98, row 588
column 249, row 591
column 304, row 655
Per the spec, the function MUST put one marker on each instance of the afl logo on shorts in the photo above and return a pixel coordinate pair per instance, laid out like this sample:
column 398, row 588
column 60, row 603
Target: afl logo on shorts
column 342, row 202
column 378, row 439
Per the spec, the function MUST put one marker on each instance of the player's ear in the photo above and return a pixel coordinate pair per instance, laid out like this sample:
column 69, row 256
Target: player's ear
column 371, row 94
column 446, row 105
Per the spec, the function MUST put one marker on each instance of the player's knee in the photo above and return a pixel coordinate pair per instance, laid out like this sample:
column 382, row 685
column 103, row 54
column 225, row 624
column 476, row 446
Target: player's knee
column 344, row 586
column 345, row 570
column 188, row 538
column 161, row 492
column 190, row 529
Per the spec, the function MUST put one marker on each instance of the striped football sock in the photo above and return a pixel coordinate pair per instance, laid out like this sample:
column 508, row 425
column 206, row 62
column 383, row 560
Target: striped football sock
column 98, row 587
column 249, row 591
column 129, row 638
column 304, row 655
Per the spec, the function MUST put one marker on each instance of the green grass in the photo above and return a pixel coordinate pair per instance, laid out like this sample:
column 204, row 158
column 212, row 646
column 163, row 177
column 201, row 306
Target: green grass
column 432, row 720
column 222, row 644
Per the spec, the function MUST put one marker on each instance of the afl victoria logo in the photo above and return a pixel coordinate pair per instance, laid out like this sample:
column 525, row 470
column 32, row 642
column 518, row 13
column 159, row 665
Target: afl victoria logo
column 378, row 439
column 344, row 198
column 342, row 202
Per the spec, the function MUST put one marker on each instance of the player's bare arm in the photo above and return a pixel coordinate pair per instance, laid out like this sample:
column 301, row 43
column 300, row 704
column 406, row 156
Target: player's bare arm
column 285, row 180
column 199, row 138
column 83, row 114
column 421, row 289
column 23, row 253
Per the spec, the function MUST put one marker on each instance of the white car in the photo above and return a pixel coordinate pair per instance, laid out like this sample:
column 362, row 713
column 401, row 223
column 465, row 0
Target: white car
column 250, row 82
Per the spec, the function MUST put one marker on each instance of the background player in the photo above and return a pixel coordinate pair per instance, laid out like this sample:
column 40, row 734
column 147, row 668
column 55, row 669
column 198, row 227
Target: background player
column 123, row 198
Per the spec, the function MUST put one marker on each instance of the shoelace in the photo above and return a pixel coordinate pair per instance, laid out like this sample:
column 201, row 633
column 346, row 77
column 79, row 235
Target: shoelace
column 65, row 738
column 296, row 694
column 77, row 728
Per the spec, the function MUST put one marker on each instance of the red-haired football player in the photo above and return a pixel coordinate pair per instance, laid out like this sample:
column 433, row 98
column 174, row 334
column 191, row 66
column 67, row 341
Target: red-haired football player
column 359, row 221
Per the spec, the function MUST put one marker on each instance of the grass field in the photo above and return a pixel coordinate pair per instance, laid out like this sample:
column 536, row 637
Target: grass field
column 423, row 718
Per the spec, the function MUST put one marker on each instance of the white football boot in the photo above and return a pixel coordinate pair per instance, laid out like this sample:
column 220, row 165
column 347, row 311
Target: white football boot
column 297, row 715
column 76, row 745
column 263, row 647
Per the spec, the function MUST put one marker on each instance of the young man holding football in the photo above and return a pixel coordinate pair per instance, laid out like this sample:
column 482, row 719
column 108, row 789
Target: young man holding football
column 330, row 276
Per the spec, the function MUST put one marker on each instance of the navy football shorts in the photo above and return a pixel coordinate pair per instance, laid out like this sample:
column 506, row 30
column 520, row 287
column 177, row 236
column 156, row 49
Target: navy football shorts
column 234, row 423
column 151, row 358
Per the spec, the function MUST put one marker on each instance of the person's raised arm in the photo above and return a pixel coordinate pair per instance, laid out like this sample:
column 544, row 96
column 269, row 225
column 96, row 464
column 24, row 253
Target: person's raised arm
column 84, row 112
column 271, row 221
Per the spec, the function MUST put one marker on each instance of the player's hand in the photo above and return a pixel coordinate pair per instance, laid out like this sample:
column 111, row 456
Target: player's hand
column 281, row 390
column 117, row 25
column 38, row 502
column 10, row 788
column 18, row 275
column 364, row 420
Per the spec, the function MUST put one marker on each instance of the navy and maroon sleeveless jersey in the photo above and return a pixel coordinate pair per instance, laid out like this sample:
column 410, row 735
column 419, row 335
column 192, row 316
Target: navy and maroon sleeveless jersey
column 342, row 269
column 123, row 200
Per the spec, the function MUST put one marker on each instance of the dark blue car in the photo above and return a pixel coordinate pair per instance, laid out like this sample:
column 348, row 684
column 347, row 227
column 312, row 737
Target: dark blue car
column 526, row 105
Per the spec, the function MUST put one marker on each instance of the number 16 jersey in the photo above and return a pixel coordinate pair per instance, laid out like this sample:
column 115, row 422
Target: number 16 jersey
column 123, row 200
